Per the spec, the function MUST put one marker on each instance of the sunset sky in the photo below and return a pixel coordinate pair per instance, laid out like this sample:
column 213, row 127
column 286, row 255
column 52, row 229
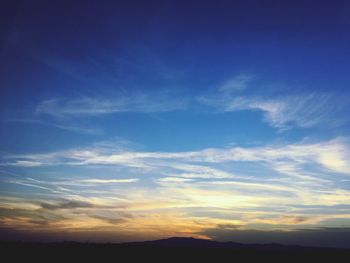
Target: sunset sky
column 140, row 120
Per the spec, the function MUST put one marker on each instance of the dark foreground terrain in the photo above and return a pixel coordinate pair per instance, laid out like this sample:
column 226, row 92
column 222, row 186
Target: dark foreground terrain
column 172, row 249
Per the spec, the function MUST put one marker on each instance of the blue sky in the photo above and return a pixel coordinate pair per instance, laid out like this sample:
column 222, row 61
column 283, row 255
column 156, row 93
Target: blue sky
column 139, row 120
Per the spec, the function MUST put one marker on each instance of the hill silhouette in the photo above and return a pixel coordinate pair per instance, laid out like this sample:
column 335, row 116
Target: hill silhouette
column 170, row 249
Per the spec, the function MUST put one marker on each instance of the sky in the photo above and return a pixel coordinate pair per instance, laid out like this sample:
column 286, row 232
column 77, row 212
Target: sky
column 140, row 120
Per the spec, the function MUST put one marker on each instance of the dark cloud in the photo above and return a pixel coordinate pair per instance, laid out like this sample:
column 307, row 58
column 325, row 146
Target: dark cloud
column 114, row 221
column 229, row 226
column 296, row 219
column 114, row 218
column 70, row 204
column 42, row 222
column 38, row 217
column 321, row 237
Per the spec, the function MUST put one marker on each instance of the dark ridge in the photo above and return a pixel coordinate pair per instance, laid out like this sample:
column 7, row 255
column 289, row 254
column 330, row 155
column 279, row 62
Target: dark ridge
column 181, row 242
column 171, row 249
column 205, row 243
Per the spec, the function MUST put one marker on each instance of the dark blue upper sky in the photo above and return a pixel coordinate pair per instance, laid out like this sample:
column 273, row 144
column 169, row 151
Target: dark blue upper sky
column 115, row 48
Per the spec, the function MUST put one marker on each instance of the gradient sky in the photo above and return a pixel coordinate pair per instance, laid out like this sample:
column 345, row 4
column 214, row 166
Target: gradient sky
column 137, row 120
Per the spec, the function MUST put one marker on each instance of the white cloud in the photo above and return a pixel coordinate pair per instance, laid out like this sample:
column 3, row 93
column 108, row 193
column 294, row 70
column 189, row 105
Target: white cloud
column 105, row 181
column 198, row 171
column 198, row 184
column 330, row 155
column 302, row 110
column 87, row 106
column 26, row 163
column 284, row 176
column 73, row 114
column 238, row 83
column 174, row 180
column 282, row 112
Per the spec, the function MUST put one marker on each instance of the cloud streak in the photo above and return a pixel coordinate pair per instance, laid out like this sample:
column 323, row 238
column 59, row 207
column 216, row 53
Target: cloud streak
column 70, row 204
column 283, row 112
column 280, row 111
column 91, row 107
column 331, row 155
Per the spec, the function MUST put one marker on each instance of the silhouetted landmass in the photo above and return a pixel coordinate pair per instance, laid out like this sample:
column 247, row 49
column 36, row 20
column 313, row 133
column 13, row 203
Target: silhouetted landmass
column 172, row 249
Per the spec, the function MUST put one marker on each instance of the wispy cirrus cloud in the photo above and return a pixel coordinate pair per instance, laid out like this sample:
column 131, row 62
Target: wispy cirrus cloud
column 106, row 181
column 88, row 106
column 66, row 186
column 236, row 84
column 303, row 173
column 280, row 111
column 331, row 155
column 61, row 124
column 255, row 183
column 74, row 114
column 283, row 112
column 240, row 93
